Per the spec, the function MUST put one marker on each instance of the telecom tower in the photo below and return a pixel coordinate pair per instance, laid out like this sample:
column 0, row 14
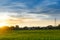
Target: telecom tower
column 55, row 22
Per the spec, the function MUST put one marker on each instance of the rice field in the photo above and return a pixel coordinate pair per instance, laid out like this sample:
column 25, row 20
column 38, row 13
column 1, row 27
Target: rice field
column 30, row 35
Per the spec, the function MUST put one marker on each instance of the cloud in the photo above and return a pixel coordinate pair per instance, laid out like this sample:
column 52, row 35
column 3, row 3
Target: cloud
column 30, row 9
column 13, row 7
column 48, row 7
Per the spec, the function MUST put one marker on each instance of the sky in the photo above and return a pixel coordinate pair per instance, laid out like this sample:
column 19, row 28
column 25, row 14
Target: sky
column 29, row 12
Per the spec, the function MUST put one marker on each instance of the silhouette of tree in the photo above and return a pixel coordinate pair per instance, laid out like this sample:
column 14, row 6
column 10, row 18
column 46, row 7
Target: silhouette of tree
column 49, row 27
column 25, row 28
column 12, row 28
column 17, row 27
column 33, row 28
column 58, row 26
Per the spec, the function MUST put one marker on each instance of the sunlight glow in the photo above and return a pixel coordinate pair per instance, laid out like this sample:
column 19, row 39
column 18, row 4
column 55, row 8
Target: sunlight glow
column 3, row 19
column 2, row 24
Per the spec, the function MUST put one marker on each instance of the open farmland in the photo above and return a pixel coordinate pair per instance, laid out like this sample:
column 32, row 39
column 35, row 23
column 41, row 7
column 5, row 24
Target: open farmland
column 30, row 35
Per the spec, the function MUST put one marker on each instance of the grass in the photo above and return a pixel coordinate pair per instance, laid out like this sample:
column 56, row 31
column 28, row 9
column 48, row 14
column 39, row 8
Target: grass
column 30, row 35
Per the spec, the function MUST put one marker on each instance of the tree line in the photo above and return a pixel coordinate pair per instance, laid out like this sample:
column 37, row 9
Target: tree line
column 30, row 28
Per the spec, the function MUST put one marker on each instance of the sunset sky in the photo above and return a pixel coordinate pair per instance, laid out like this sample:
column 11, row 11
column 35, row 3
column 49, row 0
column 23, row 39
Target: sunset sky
column 29, row 12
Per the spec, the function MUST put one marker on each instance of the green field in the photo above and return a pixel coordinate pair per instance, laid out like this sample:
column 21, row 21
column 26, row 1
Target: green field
column 30, row 35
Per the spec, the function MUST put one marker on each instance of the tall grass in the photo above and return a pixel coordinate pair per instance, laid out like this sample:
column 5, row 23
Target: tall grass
column 30, row 35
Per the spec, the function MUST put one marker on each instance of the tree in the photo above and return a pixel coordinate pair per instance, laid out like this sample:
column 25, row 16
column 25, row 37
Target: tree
column 12, row 28
column 58, row 26
column 49, row 27
column 17, row 27
column 25, row 28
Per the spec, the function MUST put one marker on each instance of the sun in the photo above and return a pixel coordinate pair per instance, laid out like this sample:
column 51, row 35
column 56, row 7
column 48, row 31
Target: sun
column 2, row 24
